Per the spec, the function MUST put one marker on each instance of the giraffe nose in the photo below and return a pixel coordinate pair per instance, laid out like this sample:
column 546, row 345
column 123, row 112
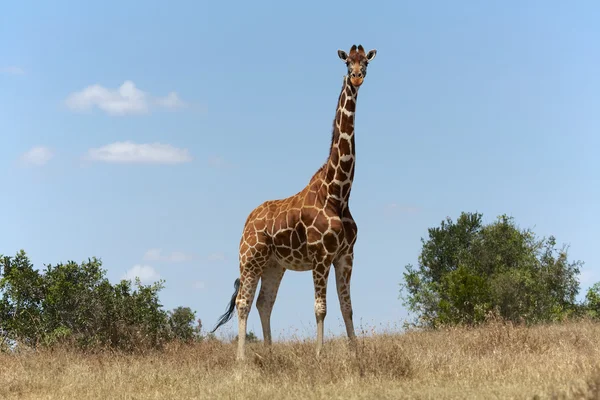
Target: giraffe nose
column 357, row 75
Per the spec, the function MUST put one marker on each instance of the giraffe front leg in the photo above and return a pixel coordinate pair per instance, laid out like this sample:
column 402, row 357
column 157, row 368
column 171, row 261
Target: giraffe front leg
column 271, row 278
column 320, row 275
column 343, row 273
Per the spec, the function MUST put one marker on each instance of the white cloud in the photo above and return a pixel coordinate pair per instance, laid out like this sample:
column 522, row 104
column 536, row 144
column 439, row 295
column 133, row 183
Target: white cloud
column 145, row 153
column 126, row 99
column 174, row 257
column 171, row 101
column 146, row 273
column 12, row 70
column 37, row 156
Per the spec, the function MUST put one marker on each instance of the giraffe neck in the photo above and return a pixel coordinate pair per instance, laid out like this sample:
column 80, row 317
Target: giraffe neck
column 339, row 168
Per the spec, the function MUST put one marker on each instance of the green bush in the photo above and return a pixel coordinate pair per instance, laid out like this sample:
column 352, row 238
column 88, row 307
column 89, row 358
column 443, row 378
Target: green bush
column 592, row 301
column 75, row 304
column 468, row 270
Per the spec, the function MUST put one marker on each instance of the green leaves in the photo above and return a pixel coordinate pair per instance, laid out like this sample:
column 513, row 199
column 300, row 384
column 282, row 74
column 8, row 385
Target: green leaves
column 592, row 301
column 75, row 304
column 468, row 270
column 181, row 321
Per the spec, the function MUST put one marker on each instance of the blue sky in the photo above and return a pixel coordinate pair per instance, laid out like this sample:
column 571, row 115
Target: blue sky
column 144, row 133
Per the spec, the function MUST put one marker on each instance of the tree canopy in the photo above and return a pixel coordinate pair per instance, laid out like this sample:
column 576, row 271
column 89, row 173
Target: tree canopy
column 467, row 270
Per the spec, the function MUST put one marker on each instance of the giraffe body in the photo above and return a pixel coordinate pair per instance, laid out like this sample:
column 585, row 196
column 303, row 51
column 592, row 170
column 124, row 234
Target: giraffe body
column 309, row 231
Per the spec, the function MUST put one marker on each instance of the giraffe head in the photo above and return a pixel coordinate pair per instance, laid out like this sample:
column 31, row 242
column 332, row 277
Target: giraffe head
column 357, row 62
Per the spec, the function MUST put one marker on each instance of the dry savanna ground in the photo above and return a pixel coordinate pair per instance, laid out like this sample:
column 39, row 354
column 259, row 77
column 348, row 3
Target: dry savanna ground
column 559, row 361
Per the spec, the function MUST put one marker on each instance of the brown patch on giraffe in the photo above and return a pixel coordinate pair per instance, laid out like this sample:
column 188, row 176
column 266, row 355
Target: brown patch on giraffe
column 260, row 224
column 340, row 175
column 334, row 156
column 262, row 212
column 251, row 240
column 301, row 231
column 320, row 269
column 293, row 216
column 346, row 166
column 284, row 219
column 297, row 254
column 349, row 91
column 347, row 273
column 321, row 222
column 308, row 216
column 286, row 239
column 345, row 147
column 295, row 240
column 352, row 89
column 350, row 105
column 330, row 242
column 284, row 251
column 312, row 234
column 347, row 125
column 335, row 188
column 279, row 224
column 310, row 199
column 350, row 232
column 330, row 174
column 335, row 224
column 346, row 190
column 338, row 117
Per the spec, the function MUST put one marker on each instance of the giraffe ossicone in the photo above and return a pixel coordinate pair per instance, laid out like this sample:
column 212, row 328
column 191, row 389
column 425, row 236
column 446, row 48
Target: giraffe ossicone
column 309, row 231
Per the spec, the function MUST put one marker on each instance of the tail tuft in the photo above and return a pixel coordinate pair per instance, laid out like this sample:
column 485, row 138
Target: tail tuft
column 231, row 308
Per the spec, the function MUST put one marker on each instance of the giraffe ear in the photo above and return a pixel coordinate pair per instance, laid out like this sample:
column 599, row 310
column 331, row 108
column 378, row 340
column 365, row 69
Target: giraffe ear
column 371, row 55
column 342, row 55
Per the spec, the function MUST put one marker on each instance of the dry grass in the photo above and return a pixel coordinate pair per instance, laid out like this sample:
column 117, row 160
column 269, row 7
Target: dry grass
column 495, row 361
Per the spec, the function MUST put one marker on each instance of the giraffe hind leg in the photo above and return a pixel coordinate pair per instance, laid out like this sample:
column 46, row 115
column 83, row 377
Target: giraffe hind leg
column 270, row 281
column 252, row 266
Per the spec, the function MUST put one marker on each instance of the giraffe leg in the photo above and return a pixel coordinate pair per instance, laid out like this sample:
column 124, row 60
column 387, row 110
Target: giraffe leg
column 270, row 280
column 343, row 273
column 248, row 284
column 251, row 267
column 320, row 275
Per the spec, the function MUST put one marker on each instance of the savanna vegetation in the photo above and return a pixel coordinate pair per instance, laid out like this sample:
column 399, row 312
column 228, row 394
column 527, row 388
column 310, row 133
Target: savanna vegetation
column 494, row 315
column 496, row 360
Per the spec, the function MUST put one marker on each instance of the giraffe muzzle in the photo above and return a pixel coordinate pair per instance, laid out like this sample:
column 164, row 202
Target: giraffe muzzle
column 356, row 80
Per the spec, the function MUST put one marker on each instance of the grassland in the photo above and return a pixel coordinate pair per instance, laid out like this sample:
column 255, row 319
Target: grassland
column 494, row 361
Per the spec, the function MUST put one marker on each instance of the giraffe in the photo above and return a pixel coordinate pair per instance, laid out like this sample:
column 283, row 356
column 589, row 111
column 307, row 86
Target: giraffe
column 309, row 231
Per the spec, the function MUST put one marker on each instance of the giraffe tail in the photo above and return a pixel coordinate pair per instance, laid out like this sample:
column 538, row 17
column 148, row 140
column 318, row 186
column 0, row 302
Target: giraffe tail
column 230, row 308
